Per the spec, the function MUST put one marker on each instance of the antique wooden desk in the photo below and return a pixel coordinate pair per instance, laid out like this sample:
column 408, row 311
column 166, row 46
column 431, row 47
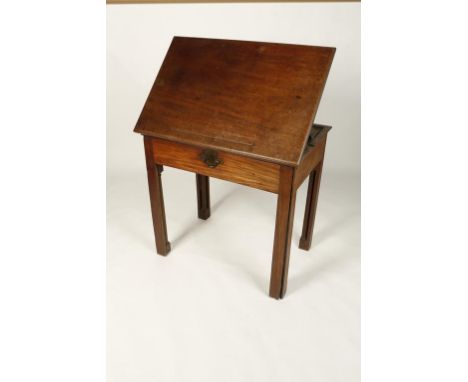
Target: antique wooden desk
column 243, row 112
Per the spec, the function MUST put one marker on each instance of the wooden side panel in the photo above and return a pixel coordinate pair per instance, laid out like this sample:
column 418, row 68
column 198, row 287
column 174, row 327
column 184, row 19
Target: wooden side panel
column 312, row 156
column 235, row 168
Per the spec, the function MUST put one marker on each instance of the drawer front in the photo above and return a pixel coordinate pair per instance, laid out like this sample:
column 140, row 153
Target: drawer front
column 235, row 168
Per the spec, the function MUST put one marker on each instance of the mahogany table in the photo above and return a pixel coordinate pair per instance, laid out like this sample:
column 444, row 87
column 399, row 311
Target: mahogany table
column 243, row 112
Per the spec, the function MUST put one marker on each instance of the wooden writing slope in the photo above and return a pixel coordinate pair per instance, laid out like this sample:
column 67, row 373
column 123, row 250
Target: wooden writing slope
column 243, row 112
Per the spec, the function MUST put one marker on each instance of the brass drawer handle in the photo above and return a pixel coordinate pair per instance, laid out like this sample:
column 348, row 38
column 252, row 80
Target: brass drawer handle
column 210, row 158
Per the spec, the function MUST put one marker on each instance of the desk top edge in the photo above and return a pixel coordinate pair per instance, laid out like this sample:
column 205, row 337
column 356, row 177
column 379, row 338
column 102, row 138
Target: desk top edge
column 324, row 130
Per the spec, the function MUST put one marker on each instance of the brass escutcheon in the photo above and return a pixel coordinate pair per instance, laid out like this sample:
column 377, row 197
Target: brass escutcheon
column 210, row 158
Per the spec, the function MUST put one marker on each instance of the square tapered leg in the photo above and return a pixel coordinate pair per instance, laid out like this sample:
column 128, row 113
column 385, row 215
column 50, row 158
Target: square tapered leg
column 311, row 207
column 283, row 230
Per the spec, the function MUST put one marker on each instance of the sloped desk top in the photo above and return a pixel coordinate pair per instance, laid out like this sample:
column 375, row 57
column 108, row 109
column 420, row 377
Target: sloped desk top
column 250, row 98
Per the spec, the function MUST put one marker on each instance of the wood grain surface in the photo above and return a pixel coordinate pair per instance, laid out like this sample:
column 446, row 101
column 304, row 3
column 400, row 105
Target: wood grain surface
column 251, row 98
column 163, row 247
column 239, row 169
column 312, row 155
column 311, row 207
column 283, row 230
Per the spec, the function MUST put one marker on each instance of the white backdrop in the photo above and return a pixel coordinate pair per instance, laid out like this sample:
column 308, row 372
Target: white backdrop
column 203, row 313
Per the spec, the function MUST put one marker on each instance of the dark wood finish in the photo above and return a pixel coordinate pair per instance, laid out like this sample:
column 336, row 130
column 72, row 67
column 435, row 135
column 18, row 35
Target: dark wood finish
column 235, row 168
column 311, row 207
column 312, row 155
column 163, row 246
column 283, row 229
column 203, row 196
column 252, row 98
column 242, row 112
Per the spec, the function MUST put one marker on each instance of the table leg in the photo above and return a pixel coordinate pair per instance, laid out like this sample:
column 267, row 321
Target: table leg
column 311, row 207
column 203, row 196
column 283, row 230
column 163, row 246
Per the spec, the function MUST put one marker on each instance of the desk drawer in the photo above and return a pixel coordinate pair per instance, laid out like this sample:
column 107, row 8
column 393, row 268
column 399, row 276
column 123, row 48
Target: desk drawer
column 232, row 167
